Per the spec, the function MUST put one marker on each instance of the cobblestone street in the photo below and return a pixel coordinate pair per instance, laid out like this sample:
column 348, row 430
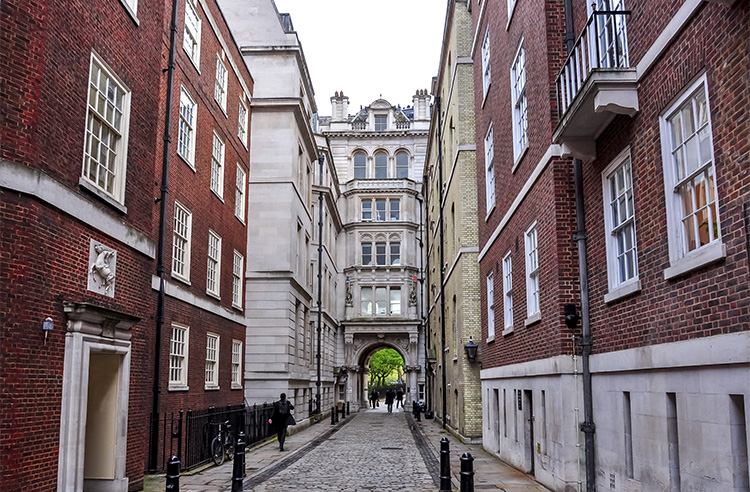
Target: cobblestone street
column 376, row 451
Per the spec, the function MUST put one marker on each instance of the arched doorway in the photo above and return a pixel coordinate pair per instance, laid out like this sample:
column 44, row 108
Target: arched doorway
column 386, row 372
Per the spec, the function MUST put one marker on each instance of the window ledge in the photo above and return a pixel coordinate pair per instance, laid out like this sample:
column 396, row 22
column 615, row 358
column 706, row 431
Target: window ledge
column 235, row 306
column 490, row 339
column 491, row 209
column 191, row 165
column 455, row 359
column 534, row 318
column 215, row 296
column 486, row 93
column 236, row 386
column 623, row 291
column 178, row 388
column 507, row 331
column 242, row 221
column 180, row 279
column 83, row 183
column 707, row 255
column 221, row 198
column 212, row 388
column 517, row 160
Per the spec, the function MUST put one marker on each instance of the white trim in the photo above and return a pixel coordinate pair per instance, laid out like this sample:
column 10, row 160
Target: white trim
column 23, row 179
column 511, row 11
column 240, row 373
column 213, row 384
column 189, row 159
column 177, row 292
column 632, row 286
column 132, row 10
column 182, row 384
column 213, row 265
column 552, row 151
column 711, row 253
column 507, row 272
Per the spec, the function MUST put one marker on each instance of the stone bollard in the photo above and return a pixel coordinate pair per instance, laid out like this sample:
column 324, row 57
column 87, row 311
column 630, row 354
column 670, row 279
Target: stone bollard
column 238, row 471
column 445, row 466
column 333, row 415
column 467, row 473
column 173, row 475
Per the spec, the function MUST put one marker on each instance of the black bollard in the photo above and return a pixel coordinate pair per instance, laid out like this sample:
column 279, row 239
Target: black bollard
column 418, row 409
column 238, row 471
column 467, row 473
column 347, row 408
column 445, row 466
column 343, row 412
column 173, row 475
column 333, row 415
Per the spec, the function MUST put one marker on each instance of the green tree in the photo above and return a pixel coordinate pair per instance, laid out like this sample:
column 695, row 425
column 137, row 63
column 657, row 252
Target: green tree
column 382, row 364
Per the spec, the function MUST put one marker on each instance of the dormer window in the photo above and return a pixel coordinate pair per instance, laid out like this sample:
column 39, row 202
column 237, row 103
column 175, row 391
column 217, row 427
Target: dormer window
column 381, row 123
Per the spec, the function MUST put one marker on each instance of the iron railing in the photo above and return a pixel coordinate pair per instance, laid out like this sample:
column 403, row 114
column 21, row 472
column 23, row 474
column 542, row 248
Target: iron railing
column 603, row 44
column 188, row 435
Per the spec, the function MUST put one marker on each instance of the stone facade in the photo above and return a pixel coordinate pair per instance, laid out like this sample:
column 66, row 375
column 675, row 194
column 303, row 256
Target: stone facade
column 664, row 300
column 379, row 157
column 451, row 211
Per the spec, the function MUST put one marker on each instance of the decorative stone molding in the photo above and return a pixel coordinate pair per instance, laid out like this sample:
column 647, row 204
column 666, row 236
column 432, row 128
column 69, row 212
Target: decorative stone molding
column 94, row 320
column 102, row 269
column 348, row 338
column 348, row 297
column 413, row 338
column 413, row 368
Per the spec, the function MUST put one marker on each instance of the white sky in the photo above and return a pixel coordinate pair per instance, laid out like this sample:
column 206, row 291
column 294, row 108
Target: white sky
column 368, row 47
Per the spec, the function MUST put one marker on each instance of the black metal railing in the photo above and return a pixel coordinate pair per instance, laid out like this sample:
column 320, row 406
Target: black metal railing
column 188, row 435
column 603, row 44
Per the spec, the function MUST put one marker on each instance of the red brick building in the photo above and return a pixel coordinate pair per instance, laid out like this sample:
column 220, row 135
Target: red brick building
column 653, row 100
column 83, row 94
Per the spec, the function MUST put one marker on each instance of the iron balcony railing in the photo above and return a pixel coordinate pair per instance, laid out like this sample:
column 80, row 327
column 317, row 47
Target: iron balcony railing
column 603, row 45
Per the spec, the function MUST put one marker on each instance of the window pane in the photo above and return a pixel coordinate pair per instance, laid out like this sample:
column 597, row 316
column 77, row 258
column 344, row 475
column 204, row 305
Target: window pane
column 381, row 303
column 380, row 210
column 366, row 210
column 395, row 300
column 402, row 165
column 380, row 253
column 366, row 304
column 381, row 166
column 395, row 210
column 366, row 254
column 360, row 166
column 395, row 253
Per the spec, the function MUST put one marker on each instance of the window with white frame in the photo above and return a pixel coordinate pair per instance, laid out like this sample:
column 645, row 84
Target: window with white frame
column 511, row 8
column 532, row 271
column 237, row 265
column 242, row 122
column 489, row 157
column 490, row 306
column 366, row 254
column 132, row 4
column 186, row 138
column 191, row 38
column 395, row 256
column 212, row 360
column 213, row 272
column 402, row 165
column 518, row 96
column 181, row 234
column 486, row 69
column 106, row 143
column 220, row 84
column 380, row 300
column 395, row 207
column 236, row 364
column 178, row 356
column 360, row 166
column 381, row 166
column 508, row 293
column 217, row 167
column 619, row 222
column 381, row 123
column 367, row 210
column 690, row 178
column 239, row 193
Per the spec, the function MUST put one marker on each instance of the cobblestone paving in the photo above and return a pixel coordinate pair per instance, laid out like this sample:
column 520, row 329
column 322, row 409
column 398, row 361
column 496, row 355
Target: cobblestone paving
column 376, row 451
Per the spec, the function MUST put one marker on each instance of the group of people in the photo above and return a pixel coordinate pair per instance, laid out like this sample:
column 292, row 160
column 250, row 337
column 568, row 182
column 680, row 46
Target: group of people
column 390, row 396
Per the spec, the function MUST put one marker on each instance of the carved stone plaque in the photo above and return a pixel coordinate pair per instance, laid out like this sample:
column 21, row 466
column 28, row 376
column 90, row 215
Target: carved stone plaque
column 102, row 269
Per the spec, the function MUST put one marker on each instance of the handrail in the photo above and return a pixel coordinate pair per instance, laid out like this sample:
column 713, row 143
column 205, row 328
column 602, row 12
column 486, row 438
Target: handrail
column 585, row 58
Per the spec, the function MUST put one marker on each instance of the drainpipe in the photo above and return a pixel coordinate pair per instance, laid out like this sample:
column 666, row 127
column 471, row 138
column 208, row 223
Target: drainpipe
column 587, row 427
column 426, row 285
column 162, row 231
column 442, row 258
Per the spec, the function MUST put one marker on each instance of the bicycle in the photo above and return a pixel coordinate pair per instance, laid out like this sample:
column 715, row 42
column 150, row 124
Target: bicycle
column 222, row 446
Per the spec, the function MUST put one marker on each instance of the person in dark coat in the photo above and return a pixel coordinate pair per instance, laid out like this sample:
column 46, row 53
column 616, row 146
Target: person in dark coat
column 281, row 418
column 372, row 399
column 376, row 394
column 399, row 398
column 389, row 396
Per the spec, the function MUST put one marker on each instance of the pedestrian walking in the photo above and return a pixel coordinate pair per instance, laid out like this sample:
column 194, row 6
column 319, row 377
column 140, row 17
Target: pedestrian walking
column 281, row 418
column 389, row 396
column 372, row 399
column 399, row 397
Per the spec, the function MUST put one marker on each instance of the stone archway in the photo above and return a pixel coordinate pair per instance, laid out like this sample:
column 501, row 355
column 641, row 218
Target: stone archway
column 360, row 347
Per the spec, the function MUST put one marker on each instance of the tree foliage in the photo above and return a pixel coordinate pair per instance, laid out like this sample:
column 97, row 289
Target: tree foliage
column 383, row 363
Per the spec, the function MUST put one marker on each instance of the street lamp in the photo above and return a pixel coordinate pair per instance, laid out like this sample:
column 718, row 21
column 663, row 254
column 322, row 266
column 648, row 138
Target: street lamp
column 471, row 349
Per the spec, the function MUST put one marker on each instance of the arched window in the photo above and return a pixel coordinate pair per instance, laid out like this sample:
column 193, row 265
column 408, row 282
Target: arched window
column 381, row 166
column 402, row 165
column 360, row 166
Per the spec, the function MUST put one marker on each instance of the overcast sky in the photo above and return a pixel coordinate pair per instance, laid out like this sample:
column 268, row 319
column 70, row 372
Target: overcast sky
column 368, row 47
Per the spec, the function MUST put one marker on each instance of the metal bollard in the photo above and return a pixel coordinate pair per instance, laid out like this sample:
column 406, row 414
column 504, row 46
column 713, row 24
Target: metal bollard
column 343, row 412
column 173, row 475
column 418, row 409
column 336, row 411
column 333, row 415
column 238, row 471
column 467, row 473
column 445, row 466
column 347, row 408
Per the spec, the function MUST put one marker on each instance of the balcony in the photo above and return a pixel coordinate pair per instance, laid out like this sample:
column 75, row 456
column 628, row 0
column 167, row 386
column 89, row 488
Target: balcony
column 595, row 84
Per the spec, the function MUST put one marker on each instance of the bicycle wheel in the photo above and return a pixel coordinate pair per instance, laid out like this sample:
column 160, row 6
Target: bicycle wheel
column 217, row 451
column 229, row 445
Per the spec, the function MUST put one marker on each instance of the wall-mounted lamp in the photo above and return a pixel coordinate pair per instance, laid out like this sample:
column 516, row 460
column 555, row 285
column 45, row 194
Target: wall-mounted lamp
column 47, row 326
column 571, row 315
column 471, row 349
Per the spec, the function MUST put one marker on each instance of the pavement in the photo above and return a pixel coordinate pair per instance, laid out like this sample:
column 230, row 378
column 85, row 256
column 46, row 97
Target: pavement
column 333, row 457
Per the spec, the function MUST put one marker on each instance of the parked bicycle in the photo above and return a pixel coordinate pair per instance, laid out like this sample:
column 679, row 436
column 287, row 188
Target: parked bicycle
column 222, row 446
